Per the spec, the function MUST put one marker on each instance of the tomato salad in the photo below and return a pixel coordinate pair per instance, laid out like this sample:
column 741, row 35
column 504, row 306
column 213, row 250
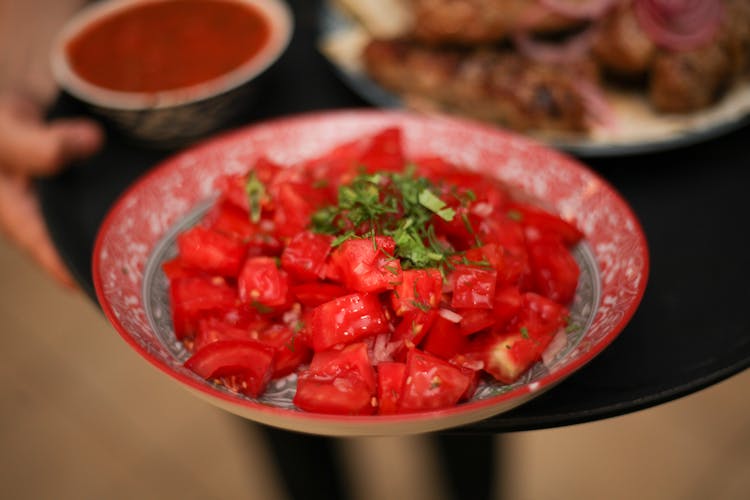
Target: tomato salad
column 387, row 284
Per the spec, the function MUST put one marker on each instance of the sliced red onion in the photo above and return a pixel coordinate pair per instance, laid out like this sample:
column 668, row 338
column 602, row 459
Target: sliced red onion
column 571, row 50
column 579, row 9
column 599, row 112
column 679, row 24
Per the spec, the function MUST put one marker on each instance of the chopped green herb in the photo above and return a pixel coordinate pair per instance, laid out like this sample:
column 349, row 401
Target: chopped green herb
column 470, row 228
column 515, row 215
column 261, row 308
column 428, row 200
column 476, row 263
column 256, row 192
column 395, row 204
column 524, row 332
column 391, row 269
column 296, row 328
column 419, row 305
column 572, row 327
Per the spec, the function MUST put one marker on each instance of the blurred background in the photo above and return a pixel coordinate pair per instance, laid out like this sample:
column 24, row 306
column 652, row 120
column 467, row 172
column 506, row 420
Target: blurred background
column 84, row 417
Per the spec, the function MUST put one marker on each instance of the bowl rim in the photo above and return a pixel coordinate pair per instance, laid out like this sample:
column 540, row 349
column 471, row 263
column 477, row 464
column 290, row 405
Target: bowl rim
column 373, row 425
column 276, row 12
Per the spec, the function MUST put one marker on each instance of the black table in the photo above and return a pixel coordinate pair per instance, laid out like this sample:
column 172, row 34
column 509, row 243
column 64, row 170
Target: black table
column 691, row 330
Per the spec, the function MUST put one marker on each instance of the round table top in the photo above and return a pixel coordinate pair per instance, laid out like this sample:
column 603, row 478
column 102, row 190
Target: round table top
column 691, row 329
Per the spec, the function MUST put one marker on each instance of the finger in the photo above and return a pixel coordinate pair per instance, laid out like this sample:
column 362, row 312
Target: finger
column 21, row 220
column 32, row 148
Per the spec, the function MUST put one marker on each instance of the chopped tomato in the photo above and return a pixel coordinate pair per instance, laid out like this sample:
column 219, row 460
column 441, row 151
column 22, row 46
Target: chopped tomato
column 341, row 382
column 506, row 356
column 234, row 188
column 411, row 330
column 347, row 319
column 391, row 376
column 475, row 320
column 313, row 294
column 418, row 289
column 304, row 258
column 343, row 394
column 354, row 357
column 368, row 264
column 262, row 283
column 554, row 271
column 227, row 218
column 383, row 152
column 508, row 301
column 544, row 223
column 192, row 297
column 473, row 287
column 211, row 251
column 540, row 315
column 490, row 255
column 211, row 329
column 431, row 383
column 243, row 365
column 175, row 268
column 289, row 347
column 444, row 339
column 294, row 209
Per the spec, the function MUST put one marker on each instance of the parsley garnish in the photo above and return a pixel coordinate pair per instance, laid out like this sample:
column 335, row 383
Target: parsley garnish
column 431, row 202
column 261, row 308
column 515, row 215
column 396, row 204
column 572, row 327
column 256, row 191
column 524, row 332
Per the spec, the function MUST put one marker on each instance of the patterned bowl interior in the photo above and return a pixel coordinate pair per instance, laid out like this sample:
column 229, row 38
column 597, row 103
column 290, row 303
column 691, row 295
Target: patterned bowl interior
column 139, row 234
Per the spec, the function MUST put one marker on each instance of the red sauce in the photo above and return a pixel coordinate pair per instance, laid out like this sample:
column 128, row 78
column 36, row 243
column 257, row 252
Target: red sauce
column 168, row 44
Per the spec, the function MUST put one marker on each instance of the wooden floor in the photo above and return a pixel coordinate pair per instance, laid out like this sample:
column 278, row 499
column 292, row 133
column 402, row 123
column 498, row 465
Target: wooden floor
column 83, row 417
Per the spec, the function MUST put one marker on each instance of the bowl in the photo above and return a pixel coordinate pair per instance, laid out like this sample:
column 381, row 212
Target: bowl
column 139, row 234
column 166, row 72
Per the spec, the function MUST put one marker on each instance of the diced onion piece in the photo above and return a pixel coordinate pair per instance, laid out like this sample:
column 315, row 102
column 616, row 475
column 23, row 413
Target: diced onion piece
column 382, row 349
column 449, row 315
column 482, row 209
column 679, row 25
column 559, row 341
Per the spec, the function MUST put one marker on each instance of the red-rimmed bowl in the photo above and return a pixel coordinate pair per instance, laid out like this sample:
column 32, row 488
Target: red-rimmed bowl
column 139, row 234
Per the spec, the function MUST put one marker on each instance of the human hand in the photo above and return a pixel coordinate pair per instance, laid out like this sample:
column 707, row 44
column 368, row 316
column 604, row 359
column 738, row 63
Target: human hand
column 30, row 148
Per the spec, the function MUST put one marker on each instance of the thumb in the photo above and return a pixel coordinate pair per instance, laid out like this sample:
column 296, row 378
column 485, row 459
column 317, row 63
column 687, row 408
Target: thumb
column 75, row 139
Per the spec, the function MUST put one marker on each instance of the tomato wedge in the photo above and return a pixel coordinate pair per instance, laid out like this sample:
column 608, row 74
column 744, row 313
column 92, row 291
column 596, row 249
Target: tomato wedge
column 262, row 283
column 346, row 319
column 419, row 289
column 340, row 382
column 431, row 383
column 211, row 251
column 391, row 376
column 367, row 264
column 243, row 365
